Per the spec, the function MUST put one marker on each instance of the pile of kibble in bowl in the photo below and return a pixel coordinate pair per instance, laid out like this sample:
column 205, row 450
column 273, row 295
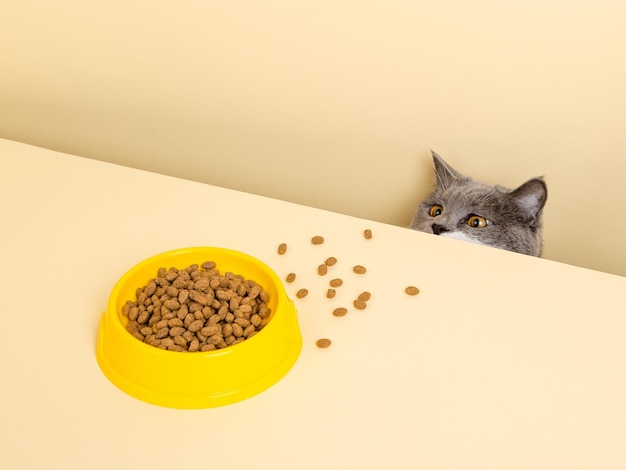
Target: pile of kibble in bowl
column 197, row 309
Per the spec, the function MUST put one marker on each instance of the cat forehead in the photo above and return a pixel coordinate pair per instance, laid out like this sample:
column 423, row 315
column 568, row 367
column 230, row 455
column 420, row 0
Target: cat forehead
column 472, row 192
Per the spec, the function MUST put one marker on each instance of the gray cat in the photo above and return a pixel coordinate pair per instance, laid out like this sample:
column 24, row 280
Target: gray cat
column 462, row 208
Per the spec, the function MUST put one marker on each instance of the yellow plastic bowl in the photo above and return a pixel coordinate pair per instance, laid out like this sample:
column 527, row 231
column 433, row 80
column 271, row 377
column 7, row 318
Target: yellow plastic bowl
column 198, row 379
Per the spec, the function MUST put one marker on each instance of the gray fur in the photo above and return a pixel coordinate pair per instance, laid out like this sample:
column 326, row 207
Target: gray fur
column 514, row 216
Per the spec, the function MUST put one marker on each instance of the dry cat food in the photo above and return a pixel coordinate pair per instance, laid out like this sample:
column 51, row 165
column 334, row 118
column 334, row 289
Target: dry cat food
column 412, row 290
column 323, row 343
column 336, row 282
column 282, row 248
column 317, row 240
column 360, row 303
column 330, row 261
column 197, row 309
column 340, row 311
column 359, row 269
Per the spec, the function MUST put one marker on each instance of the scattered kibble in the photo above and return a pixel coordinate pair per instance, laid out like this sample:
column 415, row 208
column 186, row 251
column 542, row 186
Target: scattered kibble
column 317, row 240
column 340, row 311
column 412, row 290
column 360, row 303
column 323, row 343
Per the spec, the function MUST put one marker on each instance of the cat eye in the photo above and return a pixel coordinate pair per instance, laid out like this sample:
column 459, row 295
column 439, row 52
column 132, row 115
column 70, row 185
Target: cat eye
column 435, row 210
column 476, row 221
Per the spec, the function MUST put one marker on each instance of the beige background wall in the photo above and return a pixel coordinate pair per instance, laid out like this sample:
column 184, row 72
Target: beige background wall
column 336, row 103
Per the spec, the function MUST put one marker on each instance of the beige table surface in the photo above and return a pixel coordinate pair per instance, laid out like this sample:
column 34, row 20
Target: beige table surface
column 502, row 362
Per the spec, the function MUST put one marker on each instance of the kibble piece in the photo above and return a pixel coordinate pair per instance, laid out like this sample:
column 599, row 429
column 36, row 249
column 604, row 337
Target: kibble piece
column 340, row 311
column 330, row 293
column 323, row 343
column 367, row 233
column 330, row 261
column 364, row 296
column 317, row 240
column 322, row 269
column 291, row 277
column 282, row 248
column 359, row 269
column 336, row 282
column 412, row 290
column 302, row 293
column 360, row 304
column 138, row 335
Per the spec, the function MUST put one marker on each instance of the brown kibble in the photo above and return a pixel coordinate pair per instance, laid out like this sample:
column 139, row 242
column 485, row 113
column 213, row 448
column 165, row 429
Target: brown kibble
column 340, row 311
column 194, row 345
column 330, row 293
column 237, row 330
column 282, row 248
column 195, row 325
column 412, row 290
column 359, row 269
column 323, row 343
column 133, row 313
column 364, row 296
column 322, row 269
column 360, row 304
column 302, row 293
column 317, row 240
column 162, row 333
column 138, row 335
column 210, row 330
column 367, row 233
column 291, row 277
column 189, row 309
column 330, row 261
column 336, row 282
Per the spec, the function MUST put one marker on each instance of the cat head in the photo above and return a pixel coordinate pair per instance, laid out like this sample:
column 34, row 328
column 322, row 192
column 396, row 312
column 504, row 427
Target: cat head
column 462, row 208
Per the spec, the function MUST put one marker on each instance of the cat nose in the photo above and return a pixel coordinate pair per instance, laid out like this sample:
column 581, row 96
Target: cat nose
column 439, row 229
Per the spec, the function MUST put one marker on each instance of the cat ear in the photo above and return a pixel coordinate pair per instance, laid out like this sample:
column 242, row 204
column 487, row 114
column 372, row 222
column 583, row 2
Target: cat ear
column 531, row 196
column 445, row 173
